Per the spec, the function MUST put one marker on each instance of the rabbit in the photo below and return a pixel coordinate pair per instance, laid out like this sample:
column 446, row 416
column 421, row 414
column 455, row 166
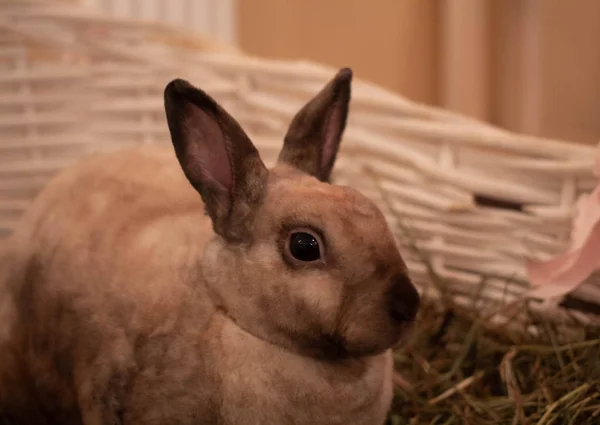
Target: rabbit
column 195, row 286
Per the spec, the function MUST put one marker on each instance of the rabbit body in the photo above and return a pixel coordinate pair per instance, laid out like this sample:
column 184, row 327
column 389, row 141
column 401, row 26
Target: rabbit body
column 125, row 303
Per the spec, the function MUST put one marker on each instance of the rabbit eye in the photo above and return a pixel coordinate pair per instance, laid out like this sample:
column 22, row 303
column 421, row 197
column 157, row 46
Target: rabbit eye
column 304, row 247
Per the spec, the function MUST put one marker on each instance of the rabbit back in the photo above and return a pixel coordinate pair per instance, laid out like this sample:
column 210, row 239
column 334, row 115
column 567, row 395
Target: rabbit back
column 103, row 263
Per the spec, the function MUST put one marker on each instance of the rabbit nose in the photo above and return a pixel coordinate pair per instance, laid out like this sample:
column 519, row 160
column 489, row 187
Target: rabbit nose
column 405, row 299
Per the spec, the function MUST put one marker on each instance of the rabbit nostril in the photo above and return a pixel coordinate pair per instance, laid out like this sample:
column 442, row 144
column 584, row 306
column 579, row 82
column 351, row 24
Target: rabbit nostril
column 405, row 299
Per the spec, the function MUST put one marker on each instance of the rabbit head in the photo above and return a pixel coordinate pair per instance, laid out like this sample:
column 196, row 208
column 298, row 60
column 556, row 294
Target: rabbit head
column 296, row 261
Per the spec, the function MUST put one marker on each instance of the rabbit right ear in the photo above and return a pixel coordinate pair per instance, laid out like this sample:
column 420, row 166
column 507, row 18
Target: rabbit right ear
column 313, row 138
column 217, row 158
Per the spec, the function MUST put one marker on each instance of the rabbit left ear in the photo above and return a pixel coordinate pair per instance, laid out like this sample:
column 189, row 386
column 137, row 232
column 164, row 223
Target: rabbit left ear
column 313, row 138
column 217, row 157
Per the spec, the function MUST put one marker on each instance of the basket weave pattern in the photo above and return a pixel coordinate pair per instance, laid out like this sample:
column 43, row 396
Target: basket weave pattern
column 473, row 199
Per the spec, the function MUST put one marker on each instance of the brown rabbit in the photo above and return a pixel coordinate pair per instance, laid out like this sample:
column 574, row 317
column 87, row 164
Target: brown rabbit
column 122, row 303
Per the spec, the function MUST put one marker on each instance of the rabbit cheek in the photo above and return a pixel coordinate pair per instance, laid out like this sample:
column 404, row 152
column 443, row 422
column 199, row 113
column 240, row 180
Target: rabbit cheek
column 366, row 326
column 381, row 318
column 310, row 309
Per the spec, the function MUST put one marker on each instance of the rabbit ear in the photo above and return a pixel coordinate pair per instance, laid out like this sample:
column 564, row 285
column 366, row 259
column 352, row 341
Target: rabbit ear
column 313, row 138
column 217, row 158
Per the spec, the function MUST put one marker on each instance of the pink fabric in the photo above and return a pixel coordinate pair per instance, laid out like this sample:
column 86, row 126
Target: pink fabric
column 563, row 273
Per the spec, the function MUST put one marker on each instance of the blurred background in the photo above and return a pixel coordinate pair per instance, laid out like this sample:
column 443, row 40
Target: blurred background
column 531, row 66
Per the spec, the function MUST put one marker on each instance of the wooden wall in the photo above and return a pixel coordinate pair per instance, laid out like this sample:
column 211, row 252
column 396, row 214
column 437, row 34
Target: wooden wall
column 527, row 65
column 391, row 42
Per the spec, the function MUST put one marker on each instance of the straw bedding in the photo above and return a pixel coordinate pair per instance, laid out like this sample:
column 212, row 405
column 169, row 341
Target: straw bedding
column 459, row 369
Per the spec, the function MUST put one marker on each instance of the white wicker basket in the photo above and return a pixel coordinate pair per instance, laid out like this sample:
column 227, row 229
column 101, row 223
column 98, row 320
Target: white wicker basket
column 73, row 82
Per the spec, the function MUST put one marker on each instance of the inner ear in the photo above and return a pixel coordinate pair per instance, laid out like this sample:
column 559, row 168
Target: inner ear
column 210, row 158
column 333, row 130
column 312, row 141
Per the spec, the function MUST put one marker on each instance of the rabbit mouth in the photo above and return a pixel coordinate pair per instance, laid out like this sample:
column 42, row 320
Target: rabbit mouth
column 329, row 347
column 333, row 347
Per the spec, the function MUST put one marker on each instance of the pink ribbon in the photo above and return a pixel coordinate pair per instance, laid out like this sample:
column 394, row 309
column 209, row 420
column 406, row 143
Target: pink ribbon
column 563, row 273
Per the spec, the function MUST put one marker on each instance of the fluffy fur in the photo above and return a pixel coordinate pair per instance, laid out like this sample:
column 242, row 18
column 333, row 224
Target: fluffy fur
column 135, row 293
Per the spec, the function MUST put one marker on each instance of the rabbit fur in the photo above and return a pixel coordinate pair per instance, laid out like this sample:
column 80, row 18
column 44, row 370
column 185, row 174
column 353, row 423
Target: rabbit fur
column 135, row 293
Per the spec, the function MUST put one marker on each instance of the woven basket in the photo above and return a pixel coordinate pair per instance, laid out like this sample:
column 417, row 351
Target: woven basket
column 468, row 201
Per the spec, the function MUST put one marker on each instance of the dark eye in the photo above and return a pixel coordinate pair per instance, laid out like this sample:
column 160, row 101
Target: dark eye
column 304, row 247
